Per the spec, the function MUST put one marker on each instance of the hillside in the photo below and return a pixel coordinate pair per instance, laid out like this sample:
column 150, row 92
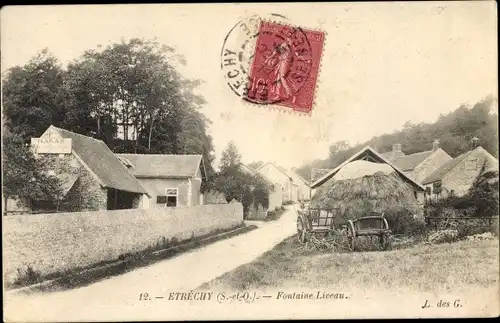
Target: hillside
column 454, row 131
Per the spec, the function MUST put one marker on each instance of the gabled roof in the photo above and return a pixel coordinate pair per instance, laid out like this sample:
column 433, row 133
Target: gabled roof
column 164, row 166
column 441, row 172
column 101, row 162
column 409, row 162
column 281, row 169
column 372, row 155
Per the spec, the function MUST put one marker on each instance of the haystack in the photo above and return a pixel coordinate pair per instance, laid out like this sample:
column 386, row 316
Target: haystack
column 361, row 187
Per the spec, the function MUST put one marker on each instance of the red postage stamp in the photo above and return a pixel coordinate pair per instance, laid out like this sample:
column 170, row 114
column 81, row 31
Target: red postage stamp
column 285, row 66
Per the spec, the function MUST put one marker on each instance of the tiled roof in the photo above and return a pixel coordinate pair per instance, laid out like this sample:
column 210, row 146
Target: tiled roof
column 164, row 166
column 409, row 162
column 102, row 162
column 443, row 170
column 318, row 172
column 389, row 155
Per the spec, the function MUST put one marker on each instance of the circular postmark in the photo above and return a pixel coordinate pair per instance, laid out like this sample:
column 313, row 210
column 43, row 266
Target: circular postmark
column 264, row 61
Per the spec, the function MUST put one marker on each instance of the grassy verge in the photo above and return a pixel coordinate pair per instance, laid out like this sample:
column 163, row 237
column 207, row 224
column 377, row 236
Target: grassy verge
column 422, row 268
column 79, row 277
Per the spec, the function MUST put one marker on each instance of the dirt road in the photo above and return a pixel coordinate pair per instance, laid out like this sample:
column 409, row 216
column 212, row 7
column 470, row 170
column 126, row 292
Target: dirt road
column 117, row 298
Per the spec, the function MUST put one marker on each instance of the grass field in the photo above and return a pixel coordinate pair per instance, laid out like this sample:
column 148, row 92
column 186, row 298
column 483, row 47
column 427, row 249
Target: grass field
column 455, row 267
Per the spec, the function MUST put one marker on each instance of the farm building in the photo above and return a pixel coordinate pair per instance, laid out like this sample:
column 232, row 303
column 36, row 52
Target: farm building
column 171, row 180
column 456, row 176
column 93, row 178
column 368, row 182
column 277, row 174
column 418, row 165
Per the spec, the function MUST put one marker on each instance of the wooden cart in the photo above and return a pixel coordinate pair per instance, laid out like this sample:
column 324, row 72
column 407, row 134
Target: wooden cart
column 374, row 224
column 314, row 222
column 319, row 223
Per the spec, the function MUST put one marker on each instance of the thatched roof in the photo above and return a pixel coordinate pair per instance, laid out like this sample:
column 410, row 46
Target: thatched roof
column 353, row 198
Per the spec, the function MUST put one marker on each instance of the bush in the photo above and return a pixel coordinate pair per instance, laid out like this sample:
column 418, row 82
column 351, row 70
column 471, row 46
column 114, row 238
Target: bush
column 403, row 222
column 417, row 228
column 282, row 208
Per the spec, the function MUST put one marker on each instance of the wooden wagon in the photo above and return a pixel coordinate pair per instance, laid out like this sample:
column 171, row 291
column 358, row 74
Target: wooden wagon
column 373, row 224
column 320, row 223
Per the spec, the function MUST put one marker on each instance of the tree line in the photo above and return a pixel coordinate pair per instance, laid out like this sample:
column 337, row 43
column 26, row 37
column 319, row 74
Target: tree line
column 454, row 131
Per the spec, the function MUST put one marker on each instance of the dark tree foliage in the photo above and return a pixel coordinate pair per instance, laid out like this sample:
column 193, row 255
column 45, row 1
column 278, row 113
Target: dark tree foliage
column 236, row 184
column 24, row 175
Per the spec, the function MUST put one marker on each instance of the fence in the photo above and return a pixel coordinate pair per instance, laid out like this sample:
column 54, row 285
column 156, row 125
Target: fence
column 53, row 243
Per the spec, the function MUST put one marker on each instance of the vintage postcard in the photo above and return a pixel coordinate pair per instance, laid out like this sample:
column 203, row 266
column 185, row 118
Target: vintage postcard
column 264, row 161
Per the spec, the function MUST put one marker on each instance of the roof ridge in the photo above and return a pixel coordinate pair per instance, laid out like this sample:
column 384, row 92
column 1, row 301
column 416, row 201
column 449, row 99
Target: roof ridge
column 78, row 134
column 420, row 152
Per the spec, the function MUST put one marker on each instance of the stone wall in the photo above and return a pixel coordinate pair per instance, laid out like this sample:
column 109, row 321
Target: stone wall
column 53, row 243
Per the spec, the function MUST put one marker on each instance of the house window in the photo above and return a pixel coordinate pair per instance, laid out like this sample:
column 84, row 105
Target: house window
column 161, row 199
column 172, row 195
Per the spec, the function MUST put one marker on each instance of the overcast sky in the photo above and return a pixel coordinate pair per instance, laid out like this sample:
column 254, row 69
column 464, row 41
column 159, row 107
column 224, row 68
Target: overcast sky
column 383, row 63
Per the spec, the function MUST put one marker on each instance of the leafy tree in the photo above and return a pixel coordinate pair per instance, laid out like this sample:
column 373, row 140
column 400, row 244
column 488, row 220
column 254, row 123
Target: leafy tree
column 484, row 194
column 35, row 96
column 24, row 175
column 239, row 185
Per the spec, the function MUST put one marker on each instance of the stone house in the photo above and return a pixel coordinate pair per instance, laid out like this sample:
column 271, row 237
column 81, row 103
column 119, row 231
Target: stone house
column 275, row 195
column 419, row 165
column 170, row 180
column 277, row 174
column 371, row 155
column 92, row 177
column 455, row 177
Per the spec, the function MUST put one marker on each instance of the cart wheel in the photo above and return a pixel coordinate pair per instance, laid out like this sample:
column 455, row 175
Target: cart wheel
column 385, row 241
column 301, row 230
column 351, row 235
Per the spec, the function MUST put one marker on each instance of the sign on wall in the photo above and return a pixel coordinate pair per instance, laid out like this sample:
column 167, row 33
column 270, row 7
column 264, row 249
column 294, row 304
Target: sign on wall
column 51, row 145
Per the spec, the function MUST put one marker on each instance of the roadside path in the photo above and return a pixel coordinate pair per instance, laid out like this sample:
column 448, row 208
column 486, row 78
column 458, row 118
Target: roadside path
column 117, row 298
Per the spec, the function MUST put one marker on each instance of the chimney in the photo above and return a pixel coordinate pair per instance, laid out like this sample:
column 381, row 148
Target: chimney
column 475, row 142
column 435, row 145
